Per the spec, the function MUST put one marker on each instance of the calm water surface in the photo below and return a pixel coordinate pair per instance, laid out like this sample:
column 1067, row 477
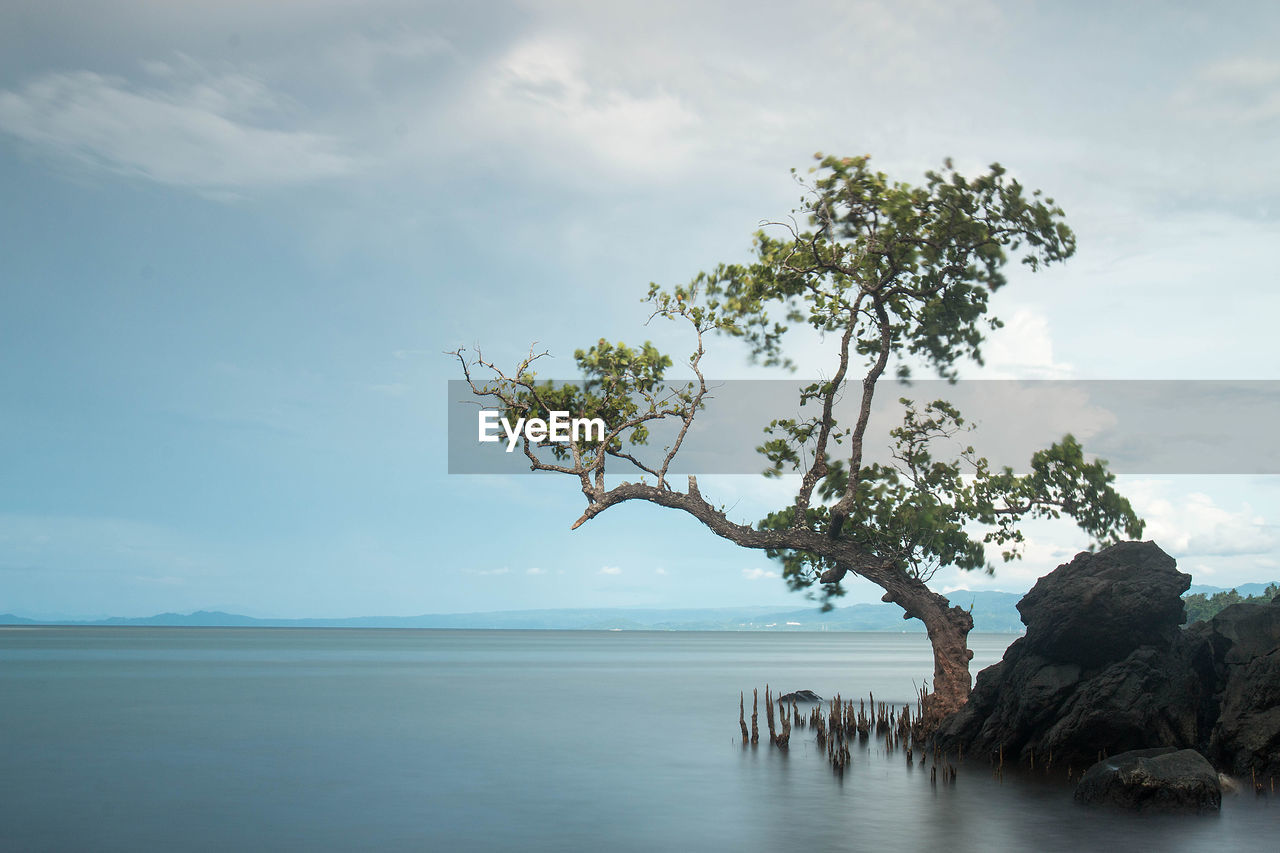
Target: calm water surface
column 329, row 739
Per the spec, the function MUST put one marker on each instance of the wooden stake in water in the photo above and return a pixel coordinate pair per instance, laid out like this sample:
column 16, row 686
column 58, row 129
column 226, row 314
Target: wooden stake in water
column 768, row 712
column 755, row 729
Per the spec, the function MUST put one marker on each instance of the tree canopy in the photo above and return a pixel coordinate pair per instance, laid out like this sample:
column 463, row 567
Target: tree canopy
column 894, row 277
column 1202, row 607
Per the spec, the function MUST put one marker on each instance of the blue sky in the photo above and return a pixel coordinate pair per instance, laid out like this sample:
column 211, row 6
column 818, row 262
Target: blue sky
column 237, row 239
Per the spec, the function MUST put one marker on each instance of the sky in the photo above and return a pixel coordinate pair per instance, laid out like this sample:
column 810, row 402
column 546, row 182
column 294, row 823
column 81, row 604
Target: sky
column 238, row 238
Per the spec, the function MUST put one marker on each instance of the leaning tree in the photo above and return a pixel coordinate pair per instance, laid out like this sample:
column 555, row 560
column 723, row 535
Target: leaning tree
column 891, row 275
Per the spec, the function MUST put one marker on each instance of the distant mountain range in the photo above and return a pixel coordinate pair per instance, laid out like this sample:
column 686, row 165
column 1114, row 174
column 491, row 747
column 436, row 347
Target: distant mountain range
column 993, row 612
column 1245, row 589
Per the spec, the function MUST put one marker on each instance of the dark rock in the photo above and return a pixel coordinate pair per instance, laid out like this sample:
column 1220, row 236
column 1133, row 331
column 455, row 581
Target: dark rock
column 1138, row 703
column 1249, row 630
column 1103, row 669
column 1153, row 780
column 1027, row 705
column 800, row 696
column 1246, row 737
column 1089, row 676
column 1020, row 697
column 1100, row 607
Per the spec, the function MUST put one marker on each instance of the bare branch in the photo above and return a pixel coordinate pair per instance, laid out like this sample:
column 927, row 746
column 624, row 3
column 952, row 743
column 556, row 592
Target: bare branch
column 844, row 505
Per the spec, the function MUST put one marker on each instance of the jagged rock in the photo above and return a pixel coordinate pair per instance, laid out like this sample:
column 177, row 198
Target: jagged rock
column 1249, row 630
column 1175, row 780
column 1100, row 607
column 1088, row 677
column 1020, row 694
column 1137, row 703
column 1103, row 669
column 800, row 696
column 1246, row 737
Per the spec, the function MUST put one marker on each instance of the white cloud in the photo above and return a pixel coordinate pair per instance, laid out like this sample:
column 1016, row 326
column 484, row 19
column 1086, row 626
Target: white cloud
column 485, row 572
column 541, row 91
column 1194, row 525
column 1242, row 90
column 1219, row 538
column 1022, row 349
column 610, row 570
column 659, row 571
column 1012, row 420
column 749, row 497
column 535, row 571
column 1049, row 547
column 189, row 128
column 163, row 580
column 759, row 574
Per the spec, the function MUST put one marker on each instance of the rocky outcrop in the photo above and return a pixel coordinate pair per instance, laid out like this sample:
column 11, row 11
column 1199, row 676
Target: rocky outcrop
column 1104, row 668
column 1164, row 780
column 1100, row 607
column 1245, row 639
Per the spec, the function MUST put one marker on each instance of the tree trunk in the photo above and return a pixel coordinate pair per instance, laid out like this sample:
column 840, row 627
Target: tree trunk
column 948, row 626
column 948, row 629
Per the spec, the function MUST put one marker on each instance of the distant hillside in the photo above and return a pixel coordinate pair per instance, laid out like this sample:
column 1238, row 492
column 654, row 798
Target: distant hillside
column 1203, row 606
column 993, row 612
column 1246, row 590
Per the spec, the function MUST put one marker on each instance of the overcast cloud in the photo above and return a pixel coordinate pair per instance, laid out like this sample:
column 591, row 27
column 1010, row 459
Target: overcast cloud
column 241, row 234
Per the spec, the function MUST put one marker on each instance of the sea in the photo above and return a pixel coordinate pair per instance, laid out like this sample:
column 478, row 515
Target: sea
column 229, row 739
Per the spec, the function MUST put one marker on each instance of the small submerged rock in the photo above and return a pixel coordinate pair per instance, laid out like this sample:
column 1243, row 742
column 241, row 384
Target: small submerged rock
column 800, row 696
column 1166, row 780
